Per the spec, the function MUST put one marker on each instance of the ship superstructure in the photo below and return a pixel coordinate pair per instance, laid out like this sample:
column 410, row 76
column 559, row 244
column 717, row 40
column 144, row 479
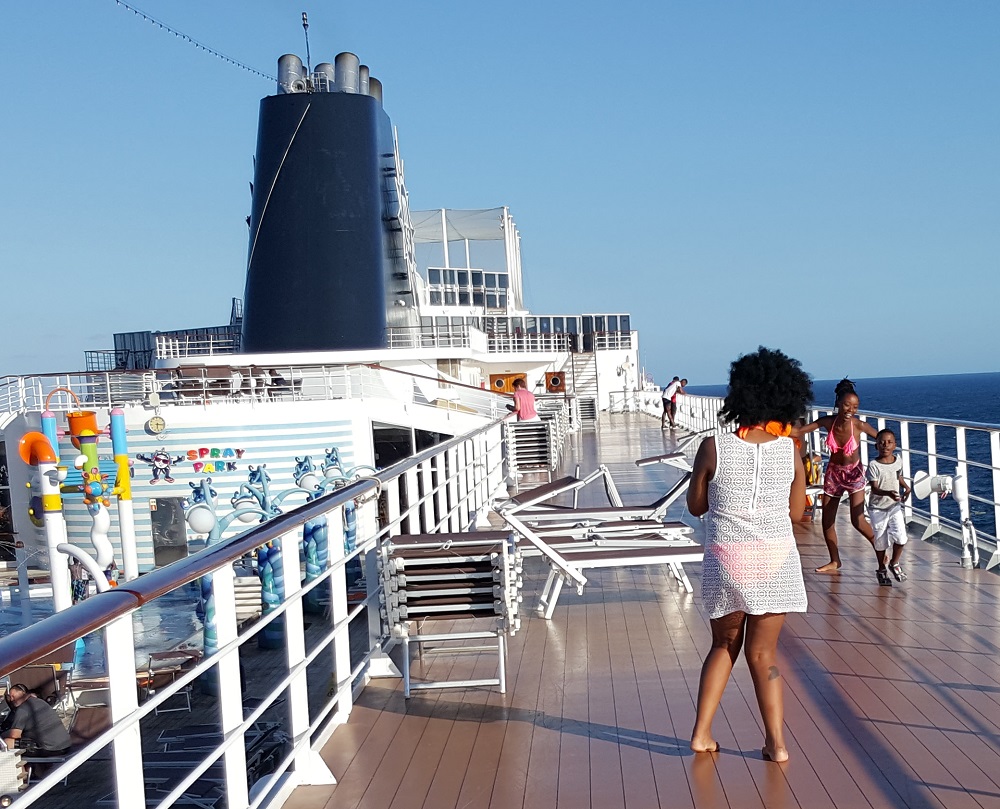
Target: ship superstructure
column 364, row 328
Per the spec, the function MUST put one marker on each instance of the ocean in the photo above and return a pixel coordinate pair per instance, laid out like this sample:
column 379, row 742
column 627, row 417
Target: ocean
column 966, row 397
column 960, row 397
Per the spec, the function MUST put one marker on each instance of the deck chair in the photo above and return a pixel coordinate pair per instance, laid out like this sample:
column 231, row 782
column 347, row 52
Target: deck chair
column 162, row 669
column 445, row 577
column 567, row 564
column 538, row 513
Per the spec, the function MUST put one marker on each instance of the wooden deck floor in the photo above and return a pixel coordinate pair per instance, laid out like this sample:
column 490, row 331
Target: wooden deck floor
column 892, row 694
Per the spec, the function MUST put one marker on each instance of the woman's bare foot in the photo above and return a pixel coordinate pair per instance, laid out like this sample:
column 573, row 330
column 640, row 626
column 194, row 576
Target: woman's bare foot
column 777, row 754
column 829, row 567
column 705, row 745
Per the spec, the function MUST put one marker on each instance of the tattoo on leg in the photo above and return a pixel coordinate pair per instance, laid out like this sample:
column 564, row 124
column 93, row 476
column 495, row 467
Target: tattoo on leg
column 773, row 673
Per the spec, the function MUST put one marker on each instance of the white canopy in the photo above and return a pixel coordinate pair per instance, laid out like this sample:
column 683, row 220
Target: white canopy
column 485, row 224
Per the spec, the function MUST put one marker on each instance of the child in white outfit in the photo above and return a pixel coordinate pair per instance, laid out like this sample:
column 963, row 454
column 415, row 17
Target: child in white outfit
column 888, row 492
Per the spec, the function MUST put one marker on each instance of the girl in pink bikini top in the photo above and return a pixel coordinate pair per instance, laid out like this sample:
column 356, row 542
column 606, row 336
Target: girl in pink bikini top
column 844, row 473
column 850, row 446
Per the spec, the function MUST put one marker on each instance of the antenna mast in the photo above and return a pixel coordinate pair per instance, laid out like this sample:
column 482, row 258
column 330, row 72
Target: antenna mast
column 305, row 27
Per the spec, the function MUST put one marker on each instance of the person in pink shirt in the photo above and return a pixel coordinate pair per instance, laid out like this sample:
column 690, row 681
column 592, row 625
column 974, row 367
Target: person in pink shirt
column 524, row 402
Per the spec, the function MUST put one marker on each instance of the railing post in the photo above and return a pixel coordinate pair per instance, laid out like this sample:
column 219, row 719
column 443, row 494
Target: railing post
column 339, row 609
column 440, row 483
column 309, row 767
column 453, row 499
column 904, row 443
column 995, row 463
column 426, row 499
column 932, row 471
column 411, row 518
column 380, row 665
column 227, row 669
column 124, row 700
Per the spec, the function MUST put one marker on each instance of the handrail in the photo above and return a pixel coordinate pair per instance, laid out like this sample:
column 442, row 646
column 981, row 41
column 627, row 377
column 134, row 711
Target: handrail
column 28, row 644
column 23, row 647
column 378, row 367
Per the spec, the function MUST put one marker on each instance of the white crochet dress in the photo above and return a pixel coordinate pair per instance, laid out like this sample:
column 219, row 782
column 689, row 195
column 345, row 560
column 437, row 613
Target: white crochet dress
column 751, row 562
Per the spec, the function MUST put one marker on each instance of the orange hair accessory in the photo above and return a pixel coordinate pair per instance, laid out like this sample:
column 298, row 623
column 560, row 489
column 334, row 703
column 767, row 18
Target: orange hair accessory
column 776, row 428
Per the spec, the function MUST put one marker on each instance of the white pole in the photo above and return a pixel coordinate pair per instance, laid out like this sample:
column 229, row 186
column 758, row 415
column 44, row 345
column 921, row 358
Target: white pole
column 444, row 236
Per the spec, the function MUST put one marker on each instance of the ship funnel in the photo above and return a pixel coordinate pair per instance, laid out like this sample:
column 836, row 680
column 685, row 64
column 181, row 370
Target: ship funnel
column 363, row 80
column 347, row 72
column 375, row 89
column 291, row 75
column 323, row 77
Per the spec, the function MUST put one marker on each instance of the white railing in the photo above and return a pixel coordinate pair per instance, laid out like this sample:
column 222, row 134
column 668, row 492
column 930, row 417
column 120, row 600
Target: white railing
column 179, row 348
column 612, row 340
column 449, row 336
column 198, row 385
column 523, row 343
column 939, row 446
column 309, row 687
column 636, row 401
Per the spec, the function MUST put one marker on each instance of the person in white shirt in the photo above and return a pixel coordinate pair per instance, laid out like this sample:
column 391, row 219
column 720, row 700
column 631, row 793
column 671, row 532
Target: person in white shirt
column 669, row 394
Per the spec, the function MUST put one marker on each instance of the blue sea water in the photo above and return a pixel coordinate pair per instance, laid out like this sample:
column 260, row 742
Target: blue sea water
column 958, row 397
column 965, row 397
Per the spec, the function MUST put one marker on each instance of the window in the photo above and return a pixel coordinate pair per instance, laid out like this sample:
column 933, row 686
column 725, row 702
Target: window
column 546, row 325
column 478, row 299
column 491, row 280
column 434, row 276
column 477, row 279
column 449, row 276
column 557, row 325
column 503, row 301
column 599, row 323
column 588, row 325
column 169, row 530
column 612, row 323
column 463, row 298
column 503, row 280
column 435, row 298
column 625, row 324
column 463, row 278
column 449, row 298
column 573, row 325
column 491, row 300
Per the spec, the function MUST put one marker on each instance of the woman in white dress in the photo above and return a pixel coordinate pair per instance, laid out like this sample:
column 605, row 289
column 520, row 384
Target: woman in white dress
column 752, row 485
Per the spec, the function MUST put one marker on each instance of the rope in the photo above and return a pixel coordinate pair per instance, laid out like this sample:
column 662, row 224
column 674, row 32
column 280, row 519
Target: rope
column 195, row 42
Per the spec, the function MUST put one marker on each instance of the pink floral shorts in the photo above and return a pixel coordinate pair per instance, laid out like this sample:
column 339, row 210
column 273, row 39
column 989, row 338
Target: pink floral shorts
column 840, row 479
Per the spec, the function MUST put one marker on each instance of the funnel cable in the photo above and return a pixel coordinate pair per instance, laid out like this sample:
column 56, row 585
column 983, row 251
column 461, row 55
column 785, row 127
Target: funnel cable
column 195, row 42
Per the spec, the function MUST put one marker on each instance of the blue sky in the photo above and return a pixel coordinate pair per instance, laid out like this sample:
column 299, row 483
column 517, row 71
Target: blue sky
column 817, row 177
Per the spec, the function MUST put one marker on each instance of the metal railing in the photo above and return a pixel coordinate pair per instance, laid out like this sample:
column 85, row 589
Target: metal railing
column 636, row 401
column 939, row 446
column 524, row 343
column 448, row 336
column 612, row 340
column 199, row 385
column 312, row 681
column 178, row 348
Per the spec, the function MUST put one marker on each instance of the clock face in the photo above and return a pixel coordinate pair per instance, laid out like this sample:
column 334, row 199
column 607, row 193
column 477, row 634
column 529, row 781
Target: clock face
column 156, row 424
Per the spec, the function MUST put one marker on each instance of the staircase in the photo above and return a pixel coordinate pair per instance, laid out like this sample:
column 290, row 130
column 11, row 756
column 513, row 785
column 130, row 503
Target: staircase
column 580, row 372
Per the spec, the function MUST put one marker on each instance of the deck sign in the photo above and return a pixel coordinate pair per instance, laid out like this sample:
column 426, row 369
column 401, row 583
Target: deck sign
column 214, row 459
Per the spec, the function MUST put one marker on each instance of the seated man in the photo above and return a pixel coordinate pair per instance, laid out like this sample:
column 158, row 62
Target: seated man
column 36, row 727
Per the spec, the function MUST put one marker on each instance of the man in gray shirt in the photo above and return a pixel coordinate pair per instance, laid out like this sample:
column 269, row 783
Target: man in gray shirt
column 36, row 727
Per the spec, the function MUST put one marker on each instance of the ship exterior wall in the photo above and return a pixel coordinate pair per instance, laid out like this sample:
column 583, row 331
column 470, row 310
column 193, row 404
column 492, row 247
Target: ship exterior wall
column 316, row 264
